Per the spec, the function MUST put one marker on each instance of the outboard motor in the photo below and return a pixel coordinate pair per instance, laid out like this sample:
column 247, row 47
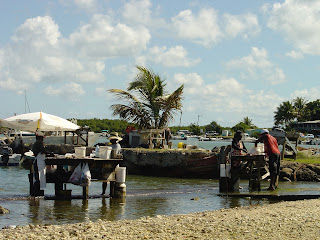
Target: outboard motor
column 6, row 152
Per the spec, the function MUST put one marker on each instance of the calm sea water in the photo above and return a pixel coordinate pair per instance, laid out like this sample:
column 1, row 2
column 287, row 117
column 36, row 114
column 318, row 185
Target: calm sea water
column 146, row 196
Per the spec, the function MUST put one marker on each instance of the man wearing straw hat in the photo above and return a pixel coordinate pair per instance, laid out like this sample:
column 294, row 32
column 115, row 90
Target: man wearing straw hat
column 114, row 140
column 115, row 153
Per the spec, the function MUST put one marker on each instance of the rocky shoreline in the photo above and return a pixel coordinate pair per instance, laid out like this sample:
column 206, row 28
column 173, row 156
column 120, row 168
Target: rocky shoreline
column 284, row 220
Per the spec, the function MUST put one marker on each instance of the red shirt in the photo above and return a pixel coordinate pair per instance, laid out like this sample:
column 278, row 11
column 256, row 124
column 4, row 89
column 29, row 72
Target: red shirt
column 270, row 145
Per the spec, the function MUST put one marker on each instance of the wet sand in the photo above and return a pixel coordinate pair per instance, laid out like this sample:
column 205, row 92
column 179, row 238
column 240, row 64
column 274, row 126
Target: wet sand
column 284, row 220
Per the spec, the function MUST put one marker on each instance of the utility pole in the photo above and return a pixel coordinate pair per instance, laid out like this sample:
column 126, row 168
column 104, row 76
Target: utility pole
column 198, row 120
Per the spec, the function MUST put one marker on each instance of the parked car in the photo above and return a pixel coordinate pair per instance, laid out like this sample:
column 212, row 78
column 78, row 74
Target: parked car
column 211, row 133
column 308, row 136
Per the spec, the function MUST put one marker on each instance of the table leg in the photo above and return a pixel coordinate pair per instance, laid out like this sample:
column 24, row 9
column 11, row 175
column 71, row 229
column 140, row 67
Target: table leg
column 85, row 192
column 112, row 185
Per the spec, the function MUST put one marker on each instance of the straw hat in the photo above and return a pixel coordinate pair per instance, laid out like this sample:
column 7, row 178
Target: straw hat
column 39, row 134
column 115, row 135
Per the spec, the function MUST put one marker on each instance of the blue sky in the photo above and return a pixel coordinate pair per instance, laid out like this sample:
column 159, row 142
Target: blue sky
column 235, row 58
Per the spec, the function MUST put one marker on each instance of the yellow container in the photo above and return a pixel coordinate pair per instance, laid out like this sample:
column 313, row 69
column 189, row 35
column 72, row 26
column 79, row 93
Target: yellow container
column 180, row 144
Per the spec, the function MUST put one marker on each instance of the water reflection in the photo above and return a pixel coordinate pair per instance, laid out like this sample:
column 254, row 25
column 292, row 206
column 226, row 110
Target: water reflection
column 146, row 196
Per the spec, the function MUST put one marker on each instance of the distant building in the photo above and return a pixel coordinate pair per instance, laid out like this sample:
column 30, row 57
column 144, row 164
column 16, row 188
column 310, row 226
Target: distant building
column 309, row 126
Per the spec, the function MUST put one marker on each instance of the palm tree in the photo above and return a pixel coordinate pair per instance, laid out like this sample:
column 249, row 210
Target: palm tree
column 153, row 108
column 247, row 121
column 300, row 105
column 284, row 114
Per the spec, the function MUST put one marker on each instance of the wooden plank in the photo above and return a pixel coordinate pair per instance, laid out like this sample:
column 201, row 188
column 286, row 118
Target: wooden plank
column 293, row 148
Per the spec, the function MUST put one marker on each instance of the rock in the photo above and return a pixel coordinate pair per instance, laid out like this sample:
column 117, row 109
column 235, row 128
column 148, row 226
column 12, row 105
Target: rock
column 286, row 173
column 286, row 179
column 4, row 210
column 314, row 168
column 305, row 174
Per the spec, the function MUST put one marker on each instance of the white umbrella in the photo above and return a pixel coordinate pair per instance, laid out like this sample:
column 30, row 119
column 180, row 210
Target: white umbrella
column 38, row 121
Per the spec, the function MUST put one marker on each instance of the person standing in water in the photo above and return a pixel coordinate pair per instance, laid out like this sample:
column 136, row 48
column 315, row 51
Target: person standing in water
column 39, row 164
column 116, row 149
column 271, row 149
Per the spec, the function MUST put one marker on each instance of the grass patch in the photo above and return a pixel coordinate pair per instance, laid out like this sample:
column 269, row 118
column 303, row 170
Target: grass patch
column 306, row 157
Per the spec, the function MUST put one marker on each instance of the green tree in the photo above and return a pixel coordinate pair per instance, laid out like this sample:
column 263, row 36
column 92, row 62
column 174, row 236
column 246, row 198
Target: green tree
column 194, row 128
column 299, row 108
column 248, row 121
column 284, row 114
column 153, row 108
column 213, row 126
column 240, row 126
column 312, row 111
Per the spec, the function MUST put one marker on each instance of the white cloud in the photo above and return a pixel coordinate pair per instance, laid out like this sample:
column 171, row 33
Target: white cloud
column 85, row 4
column 245, row 25
column 298, row 21
column 137, row 11
column 38, row 52
column 227, row 98
column 202, row 28
column 310, row 94
column 192, row 82
column 257, row 65
column 70, row 90
column 294, row 54
column 100, row 38
column 208, row 28
column 140, row 12
column 172, row 57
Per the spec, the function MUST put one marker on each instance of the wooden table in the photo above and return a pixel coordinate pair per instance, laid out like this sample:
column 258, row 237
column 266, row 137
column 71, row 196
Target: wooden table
column 249, row 160
column 60, row 177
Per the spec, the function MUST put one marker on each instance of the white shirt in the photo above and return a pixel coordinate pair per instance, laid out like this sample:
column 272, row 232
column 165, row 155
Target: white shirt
column 116, row 147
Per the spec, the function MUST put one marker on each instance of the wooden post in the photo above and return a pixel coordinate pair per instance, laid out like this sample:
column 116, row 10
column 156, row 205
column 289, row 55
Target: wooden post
column 283, row 149
column 254, row 180
column 120, row 190
column 85, row 192
column 112, row 185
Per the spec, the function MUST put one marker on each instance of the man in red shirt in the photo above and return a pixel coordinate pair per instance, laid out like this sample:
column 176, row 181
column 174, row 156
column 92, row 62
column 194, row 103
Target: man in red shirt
column 272, row 151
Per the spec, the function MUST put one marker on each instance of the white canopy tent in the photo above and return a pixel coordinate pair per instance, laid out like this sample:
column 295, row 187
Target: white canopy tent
column 38, row 121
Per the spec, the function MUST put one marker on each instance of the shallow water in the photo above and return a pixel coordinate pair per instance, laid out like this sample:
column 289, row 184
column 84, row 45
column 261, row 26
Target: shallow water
column 146, row 196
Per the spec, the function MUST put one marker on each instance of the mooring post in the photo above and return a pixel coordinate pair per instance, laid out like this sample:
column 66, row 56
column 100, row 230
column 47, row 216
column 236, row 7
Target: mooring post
column 227, row 182
column 120, row 190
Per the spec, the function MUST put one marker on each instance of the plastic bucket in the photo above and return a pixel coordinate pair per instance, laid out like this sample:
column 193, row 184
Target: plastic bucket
column 80, row 152
column 120, row 174
column 180, row 144
column 105, row 152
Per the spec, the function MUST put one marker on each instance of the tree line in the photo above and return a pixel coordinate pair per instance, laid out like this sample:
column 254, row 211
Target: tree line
column 97, row 125
column 296, row 110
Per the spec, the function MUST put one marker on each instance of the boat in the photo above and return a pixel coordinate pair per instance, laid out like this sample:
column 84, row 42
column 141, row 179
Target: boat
column 176, row 137
column 207, row 138
column 171, row 163
column 247, row 138
column 7, row 157
column 12, row 160
column 104, row 133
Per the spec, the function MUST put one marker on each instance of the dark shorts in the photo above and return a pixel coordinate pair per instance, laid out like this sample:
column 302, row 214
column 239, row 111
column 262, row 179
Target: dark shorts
column 274, row 164
column 100, row 173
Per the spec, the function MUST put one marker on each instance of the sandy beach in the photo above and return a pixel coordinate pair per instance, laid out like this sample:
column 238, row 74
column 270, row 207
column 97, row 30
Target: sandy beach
column 284, row 220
